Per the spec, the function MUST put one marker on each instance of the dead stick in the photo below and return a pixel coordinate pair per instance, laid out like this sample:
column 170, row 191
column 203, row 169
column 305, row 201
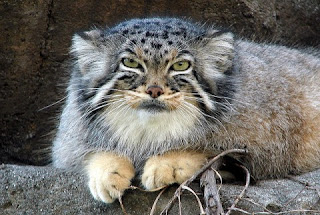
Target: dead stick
column 122, row 206
column 242, row 192
column 211, row 193
column 153, row 209
column 193, row 177
column 277, row 213
column 202, row 212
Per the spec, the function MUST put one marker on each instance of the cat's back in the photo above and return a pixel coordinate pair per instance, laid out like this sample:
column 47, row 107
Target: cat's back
column 272, row 73
column 277, row 60
column 276, row 108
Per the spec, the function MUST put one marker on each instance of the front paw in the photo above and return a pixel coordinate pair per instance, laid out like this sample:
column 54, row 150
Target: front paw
column 109, row 175
column 170, row 168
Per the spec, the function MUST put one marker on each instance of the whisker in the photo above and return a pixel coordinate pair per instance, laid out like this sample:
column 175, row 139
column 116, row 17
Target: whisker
column 226, row 107
column 106, row 103
column 53, row 104
column 206, row 115
column 103, row 105
column 190, row 111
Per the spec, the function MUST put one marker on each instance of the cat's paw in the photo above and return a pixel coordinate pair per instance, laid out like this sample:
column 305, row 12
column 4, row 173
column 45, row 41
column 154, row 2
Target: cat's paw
column 170, row 168
column 109, row 175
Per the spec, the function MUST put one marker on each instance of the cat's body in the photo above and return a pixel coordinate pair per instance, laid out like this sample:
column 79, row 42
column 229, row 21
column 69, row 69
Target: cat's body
column 186, row 93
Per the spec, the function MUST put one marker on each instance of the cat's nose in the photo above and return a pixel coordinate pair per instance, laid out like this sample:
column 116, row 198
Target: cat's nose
column 155, row 91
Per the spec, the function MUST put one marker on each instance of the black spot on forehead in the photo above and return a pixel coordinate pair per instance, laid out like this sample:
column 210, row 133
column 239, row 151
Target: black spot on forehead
column 165, row 35
column 184, row 34
column 177, row 33
column 159, row 27
column 155, row 36
column 152, row 34
column 156, row 45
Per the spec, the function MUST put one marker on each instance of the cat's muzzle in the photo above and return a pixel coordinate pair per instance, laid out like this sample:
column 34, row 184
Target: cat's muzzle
column 153, row 106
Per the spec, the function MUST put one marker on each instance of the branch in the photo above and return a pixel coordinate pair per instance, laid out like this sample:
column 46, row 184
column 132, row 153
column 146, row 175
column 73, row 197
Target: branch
column 122, row 206
column 198, row 200
column 153, row 209
column 211, row 193
column 201, row 171
column 242, row 192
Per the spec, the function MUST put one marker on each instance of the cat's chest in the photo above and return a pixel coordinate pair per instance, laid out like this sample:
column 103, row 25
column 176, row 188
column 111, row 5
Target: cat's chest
column 141, row 127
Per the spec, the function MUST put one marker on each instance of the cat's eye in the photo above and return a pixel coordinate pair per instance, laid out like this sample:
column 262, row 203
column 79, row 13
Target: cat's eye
column 181, row 65
column 131, row 63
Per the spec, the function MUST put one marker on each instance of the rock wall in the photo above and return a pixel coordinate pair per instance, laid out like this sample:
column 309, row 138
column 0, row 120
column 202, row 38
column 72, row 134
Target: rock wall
column 35, row 38
column 44, row 190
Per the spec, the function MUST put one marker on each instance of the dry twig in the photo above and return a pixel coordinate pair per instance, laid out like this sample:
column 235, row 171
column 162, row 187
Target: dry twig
column 202, row 212
column 242, row 192
column 294, row 198
column 153, row 209
column 211, row 193
column 180, row 208
column 201, row 171
column 148, row 191
column 257, row 204
column 306, row 184
column 122, row 206
column 275, row 213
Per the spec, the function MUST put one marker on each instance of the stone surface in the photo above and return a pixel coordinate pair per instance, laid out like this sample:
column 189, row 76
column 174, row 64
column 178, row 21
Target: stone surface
column 35, row 38
column 45, row 190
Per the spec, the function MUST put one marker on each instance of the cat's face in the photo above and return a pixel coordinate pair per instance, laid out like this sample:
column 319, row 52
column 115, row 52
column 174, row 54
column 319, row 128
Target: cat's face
column 156, row 86
column 153, row 66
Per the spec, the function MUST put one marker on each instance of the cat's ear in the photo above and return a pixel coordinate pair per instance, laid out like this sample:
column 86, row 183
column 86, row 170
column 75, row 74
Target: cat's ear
column 217, row 50
column 88, row 49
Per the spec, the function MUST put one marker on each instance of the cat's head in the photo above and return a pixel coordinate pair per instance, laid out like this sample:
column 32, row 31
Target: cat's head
column 154, row 66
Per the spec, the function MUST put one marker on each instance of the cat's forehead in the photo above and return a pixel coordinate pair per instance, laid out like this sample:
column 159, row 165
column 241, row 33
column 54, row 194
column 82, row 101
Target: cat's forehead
column 156, row 33
column 157, row 28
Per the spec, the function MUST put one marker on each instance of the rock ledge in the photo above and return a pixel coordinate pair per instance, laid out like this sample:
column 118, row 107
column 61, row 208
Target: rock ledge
column 45, row 190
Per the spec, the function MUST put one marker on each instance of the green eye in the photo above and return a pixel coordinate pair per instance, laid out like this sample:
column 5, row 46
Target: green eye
column 129, row 62
column 181, row 65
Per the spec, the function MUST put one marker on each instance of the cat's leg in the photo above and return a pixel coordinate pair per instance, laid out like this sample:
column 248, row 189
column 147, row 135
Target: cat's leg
column 171, row 167
column 109, row 175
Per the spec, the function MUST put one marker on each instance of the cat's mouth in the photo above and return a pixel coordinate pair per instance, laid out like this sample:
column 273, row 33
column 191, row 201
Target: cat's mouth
column 153, row 106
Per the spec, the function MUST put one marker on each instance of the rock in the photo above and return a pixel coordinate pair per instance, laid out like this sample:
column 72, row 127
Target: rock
column 36, row 35
column 45, row 190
